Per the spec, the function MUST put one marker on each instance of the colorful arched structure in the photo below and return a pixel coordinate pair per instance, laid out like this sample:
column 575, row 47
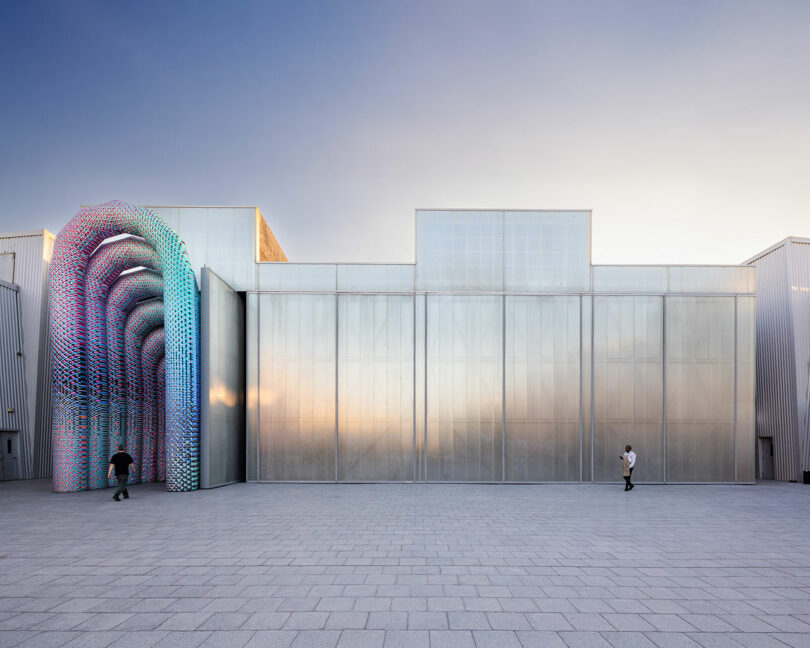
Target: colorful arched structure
column 91, row 302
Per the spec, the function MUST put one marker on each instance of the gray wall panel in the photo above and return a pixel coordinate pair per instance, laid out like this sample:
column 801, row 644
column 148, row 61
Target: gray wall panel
column 628, row 386
column 13, row 412
column 222, row 376
column 464, row 388
column 420, row 358
column 746, row 386
column 700, row 388
column 776, row 404
column 252, row 390
column 375, row 388
column 297, row 374
column 542, row 367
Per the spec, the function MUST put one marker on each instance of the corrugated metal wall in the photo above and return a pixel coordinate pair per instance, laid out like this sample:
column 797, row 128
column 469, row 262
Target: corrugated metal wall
column 32, row 257
column 13, row 412
column 799, row 286
column 783, row 352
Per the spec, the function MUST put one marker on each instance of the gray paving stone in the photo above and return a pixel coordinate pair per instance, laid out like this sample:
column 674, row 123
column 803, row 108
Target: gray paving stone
column 306, row 562
column 407, row 639
column 496, row 639
column 362, row 639
column 227, row 639
column 579, row 639
column 387, row 621
column 272, row 639
column 451, row 639
column 316, row 639
column 671, row 640
column 628, row 640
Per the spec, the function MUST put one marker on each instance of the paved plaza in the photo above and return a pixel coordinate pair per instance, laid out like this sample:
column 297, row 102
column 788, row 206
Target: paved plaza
column 407, row 566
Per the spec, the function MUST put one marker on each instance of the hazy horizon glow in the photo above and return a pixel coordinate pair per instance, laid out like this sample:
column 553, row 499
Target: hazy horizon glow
column 683, row 125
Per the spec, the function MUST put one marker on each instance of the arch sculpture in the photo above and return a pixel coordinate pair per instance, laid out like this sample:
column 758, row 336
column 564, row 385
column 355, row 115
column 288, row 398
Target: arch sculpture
column 83, row 279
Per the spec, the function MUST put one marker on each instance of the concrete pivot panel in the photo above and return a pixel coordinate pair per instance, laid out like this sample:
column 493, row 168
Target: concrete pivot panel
column 375, row 388
column 464, row 388
column 542, row 388
column 222, row 403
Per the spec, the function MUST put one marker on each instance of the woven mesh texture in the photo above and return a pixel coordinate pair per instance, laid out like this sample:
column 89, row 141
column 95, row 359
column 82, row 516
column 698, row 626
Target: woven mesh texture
column 151, row 354
column 161, row 419
column 125, row 293
column 142, row 320
column 69, row 327
column 106, row 264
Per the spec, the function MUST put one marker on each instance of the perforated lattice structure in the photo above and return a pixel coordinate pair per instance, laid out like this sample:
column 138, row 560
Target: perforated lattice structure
column 106, row 264
column 76, row 307
column 142, row 320
column 128, row 290
column 151, row 354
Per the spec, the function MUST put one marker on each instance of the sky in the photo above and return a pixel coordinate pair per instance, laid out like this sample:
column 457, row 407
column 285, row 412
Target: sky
column 683, row 124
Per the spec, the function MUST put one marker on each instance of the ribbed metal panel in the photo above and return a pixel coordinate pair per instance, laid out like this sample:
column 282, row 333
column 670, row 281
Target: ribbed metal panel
column 776, row 402
column 799, row 268
column 13, row 412
column 32, row 255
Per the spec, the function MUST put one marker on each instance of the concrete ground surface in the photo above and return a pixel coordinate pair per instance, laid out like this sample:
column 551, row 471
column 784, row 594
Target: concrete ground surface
column 407, row 566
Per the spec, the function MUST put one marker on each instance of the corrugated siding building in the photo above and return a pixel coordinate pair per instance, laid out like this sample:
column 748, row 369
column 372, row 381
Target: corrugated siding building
column 15, row 436
column 26, row 258
column 783, row 359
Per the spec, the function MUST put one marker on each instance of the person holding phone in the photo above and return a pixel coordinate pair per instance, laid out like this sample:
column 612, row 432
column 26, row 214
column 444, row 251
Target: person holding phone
column 628, row 463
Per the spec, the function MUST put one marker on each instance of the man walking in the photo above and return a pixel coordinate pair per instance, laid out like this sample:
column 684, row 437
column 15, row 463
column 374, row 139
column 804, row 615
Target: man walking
column 628, row 462
column 121, row 461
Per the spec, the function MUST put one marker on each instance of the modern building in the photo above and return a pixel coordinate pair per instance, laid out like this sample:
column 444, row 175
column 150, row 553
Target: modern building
column 24, row 263
column 501, row 355
column 783, row 360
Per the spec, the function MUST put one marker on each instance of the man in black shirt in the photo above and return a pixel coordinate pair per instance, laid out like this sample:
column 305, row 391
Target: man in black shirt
column 120, row 461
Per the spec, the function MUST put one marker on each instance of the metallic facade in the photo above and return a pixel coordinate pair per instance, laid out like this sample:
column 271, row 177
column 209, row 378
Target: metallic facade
column 783, row 356
column 502, row 355
column 222, row 373
column 25, row 259
column 13, row 413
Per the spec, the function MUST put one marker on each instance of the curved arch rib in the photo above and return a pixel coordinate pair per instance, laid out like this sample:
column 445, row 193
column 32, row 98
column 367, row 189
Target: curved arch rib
column 142, row 320
column 151, row 353
column 125, row 293
column 104, row 267
column 71, row 253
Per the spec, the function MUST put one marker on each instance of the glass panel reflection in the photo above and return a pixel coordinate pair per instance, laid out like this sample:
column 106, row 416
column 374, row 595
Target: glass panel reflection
column 375, row 388
column 628, row 386
column 746, row 387
column 464, row 383
column 297, row 387
column 542, row 389
column 700, row 388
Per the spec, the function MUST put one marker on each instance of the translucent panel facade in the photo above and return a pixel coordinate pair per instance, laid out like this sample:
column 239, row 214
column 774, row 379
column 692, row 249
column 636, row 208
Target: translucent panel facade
column 502, row 355
column 464, row 388
column 375, row 388
column 700, row 350
column 546, row 251
column 628, row 385
column 542, row 391
column 297, row 378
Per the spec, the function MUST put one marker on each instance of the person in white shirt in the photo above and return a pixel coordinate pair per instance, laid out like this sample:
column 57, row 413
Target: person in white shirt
column 628, row 462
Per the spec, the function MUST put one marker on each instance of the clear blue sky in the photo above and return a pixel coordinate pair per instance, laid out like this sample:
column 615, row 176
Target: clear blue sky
column 683, row 124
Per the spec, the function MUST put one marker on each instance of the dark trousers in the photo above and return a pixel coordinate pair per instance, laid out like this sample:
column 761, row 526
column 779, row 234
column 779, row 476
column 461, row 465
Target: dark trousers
column 122, row 485
column 627, row 483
